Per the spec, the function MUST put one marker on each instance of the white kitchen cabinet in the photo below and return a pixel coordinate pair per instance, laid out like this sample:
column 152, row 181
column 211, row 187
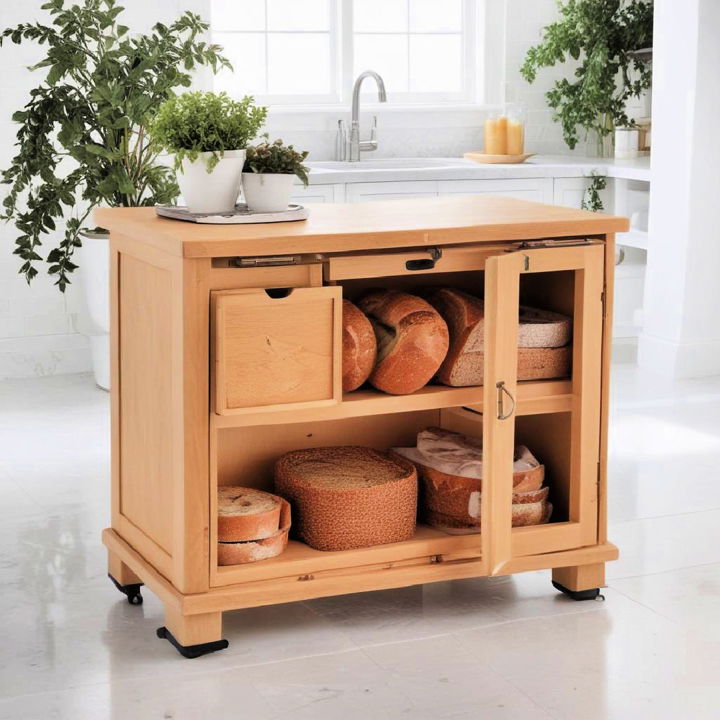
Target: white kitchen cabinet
column 537, row 189
column 570, row 191
column 365, row 192
column 318, row 193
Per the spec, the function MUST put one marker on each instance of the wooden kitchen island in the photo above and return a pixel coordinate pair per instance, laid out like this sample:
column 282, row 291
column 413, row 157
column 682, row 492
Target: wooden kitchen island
column 190, row 303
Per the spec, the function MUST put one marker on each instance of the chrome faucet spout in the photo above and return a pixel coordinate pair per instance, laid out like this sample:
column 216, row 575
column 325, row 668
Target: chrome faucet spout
column 382, row 95
column 354, row 146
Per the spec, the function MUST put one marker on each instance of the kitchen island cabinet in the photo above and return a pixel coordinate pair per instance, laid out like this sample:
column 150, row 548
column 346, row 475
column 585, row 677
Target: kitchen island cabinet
column 202, row 397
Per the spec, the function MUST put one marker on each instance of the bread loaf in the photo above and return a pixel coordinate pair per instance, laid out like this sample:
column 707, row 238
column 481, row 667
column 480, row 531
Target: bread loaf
column 412, row 340
column 542, row 340
column 237, row 553
column 450, row 471
column 348, row 497
column 246, row 514
column 359, row 347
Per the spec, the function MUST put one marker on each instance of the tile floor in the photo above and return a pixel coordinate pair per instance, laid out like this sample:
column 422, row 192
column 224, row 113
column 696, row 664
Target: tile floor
column 487, row 648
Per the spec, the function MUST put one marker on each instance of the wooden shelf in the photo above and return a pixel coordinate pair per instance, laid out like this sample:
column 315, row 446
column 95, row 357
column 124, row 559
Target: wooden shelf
column 301, row 561
column 537, row 397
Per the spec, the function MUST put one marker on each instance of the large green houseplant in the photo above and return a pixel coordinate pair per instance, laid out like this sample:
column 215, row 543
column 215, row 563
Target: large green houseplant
column 83, row 139
column 602, row 35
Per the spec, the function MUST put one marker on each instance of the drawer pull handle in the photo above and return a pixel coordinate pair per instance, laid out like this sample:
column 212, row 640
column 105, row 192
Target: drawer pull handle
column 501, row 414
column 425, row 263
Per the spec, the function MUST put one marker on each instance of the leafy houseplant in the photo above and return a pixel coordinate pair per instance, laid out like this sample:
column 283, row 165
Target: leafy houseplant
column 270, row 169
column 83, row 137
column 602, row 35
column 208, row 134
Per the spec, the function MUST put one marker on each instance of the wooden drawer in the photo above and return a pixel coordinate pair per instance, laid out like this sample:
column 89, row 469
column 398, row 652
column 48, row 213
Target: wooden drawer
column 272, row 352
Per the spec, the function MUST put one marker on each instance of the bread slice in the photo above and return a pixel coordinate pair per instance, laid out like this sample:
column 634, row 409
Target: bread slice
column 412, row 340
column 246, row 514
column 348, row 497
column 359, row 347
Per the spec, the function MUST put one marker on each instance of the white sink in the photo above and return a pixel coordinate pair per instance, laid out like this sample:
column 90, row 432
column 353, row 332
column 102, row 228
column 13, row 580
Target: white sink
column 389, row 164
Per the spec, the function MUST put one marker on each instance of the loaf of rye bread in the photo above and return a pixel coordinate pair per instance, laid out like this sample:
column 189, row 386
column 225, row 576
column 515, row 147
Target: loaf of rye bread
column 412, row 340
column 348, row 497
column 246, row 514
column 237, row 553
column 359, row 347
column 543, row 351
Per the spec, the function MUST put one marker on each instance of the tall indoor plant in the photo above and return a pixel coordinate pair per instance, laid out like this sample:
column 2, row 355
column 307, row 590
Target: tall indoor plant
column 82, row 140
column 602, row 36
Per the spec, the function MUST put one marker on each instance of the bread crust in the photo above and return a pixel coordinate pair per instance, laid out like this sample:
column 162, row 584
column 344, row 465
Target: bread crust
column 412, row 340
column 359, row 347
column 333, row 517
column 247, row 514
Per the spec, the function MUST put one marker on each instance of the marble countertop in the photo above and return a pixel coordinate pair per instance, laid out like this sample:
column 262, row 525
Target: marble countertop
column 414, row 169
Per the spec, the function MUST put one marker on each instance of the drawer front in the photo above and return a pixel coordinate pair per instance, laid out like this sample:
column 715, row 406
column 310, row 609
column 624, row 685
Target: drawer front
column 272, row 352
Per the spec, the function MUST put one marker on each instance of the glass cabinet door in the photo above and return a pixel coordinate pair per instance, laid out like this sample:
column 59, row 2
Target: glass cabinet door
column 561, row 426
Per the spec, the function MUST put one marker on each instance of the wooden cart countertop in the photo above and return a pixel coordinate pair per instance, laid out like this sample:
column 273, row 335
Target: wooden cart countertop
column 345, row 227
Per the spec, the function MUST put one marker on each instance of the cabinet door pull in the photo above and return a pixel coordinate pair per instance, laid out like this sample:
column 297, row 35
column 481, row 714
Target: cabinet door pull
column 501, row 415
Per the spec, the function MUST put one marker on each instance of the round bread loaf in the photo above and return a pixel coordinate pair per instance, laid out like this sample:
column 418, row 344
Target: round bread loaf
column 359, row 347
column 348, row 497
column 246, row 514
column 412, row 340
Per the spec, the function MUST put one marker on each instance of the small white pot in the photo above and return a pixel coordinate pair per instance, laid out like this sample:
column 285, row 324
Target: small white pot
column 267, row 192
column 211, row 192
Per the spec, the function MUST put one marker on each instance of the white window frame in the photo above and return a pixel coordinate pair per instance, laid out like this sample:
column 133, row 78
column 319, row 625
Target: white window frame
column 342, row 76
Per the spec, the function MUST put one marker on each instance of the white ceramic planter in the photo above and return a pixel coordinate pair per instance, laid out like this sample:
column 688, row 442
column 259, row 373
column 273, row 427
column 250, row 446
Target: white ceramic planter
column 267, row 192
column 94, row 267
column 216, row 191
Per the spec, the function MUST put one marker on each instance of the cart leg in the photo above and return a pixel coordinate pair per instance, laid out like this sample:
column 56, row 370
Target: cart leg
column 580, row 582
column 193, row 635
column 124, row 579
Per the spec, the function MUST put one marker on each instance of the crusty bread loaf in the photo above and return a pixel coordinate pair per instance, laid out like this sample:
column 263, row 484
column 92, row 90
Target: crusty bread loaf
column 450, row 468
column 348, row 497
column 412, row 340
column 359, row 347
column 246, row 514
column 464, row 363
column 237, row 553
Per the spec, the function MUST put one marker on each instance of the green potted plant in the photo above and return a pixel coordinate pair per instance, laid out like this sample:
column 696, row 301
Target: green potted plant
column 603, row 37
column 82, row 139
column 208, row 134
column 269, row 173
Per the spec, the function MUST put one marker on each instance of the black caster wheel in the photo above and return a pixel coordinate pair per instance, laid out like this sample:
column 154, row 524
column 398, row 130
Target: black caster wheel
column 132, row 591
column 192, row 651
column 592, row 594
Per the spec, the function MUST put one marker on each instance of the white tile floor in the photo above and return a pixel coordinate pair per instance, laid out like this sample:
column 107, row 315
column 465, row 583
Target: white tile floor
column 489, row 648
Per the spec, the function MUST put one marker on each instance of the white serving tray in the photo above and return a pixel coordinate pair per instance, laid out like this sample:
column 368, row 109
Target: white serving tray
column 240, row 215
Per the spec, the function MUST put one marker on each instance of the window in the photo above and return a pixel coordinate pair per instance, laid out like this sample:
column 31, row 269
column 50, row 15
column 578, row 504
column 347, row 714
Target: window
column 311, row 51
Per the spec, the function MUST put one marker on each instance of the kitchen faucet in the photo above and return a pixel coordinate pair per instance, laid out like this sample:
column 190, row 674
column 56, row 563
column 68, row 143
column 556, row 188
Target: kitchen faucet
column 350, row 147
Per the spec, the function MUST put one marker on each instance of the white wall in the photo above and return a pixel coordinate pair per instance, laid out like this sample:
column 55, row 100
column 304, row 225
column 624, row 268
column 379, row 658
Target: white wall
column 38, row 324
column 681, row 335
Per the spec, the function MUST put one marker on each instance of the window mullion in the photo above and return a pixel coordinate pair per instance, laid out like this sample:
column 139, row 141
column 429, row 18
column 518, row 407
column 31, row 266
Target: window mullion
column 347, row 53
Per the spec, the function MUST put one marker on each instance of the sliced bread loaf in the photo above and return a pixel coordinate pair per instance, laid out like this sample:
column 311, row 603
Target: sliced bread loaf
column 542, row 340
column 450, row 467
column 246, row 514
column 237, row 553
column 348, row 497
